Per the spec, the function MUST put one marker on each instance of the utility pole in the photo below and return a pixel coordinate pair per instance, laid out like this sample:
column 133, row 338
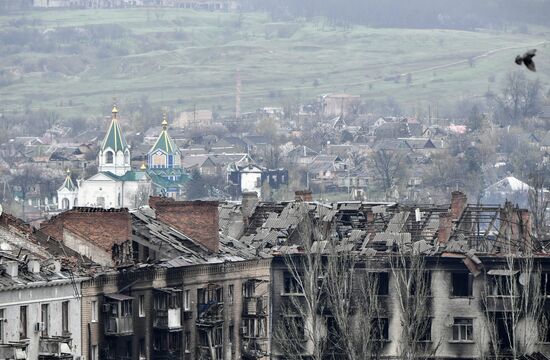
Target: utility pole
column 238, row 85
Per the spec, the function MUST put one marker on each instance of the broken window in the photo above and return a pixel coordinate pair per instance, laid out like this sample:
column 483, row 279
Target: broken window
column 230, row 291
column 248, row 288
column 463, row 329
column 503, row 285
column 382, row 284
column 2, row 314
column 142, row 355
column 426, row 330
column 505, row 330
column 545, row 284
column 65, row 317
column 544, row 328
column 187, row 300
column 187, row 345
column 421, row 284
column 174, row 341
column 380, row 329
column 462, row 284
column 292, row 285
column 294, row 327
column 203, row 338
column 22, row 322
column 127, row 308
column 141, row 305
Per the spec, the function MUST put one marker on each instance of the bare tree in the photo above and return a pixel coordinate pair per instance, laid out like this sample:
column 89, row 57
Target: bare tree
column 388, row 166
column 357, row 317
column 338, row 313
column 412, row 287
column 538, row 203
column 520, row 98
column 513, row 305
column 298, row 329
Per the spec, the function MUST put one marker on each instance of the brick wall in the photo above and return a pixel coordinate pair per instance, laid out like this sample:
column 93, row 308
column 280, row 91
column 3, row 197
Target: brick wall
column 196, row 219
column 103, row 228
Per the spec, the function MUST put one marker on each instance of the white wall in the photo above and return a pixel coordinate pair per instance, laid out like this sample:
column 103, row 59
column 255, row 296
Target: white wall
column 11, row 301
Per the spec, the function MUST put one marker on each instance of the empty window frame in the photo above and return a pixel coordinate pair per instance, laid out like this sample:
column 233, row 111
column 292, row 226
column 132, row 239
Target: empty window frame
column 461, row 284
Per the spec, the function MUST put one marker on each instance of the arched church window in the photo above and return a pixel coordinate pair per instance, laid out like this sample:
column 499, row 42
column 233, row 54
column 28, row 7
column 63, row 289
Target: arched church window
column 65, row 204
column 126, row 157
column 109, row 157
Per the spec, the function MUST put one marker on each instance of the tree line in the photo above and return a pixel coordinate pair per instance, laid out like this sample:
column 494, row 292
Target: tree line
column 466, row 14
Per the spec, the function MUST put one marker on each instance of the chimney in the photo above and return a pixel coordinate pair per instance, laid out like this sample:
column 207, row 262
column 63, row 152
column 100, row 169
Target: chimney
column 12, row 268
column 154, row 200
column 33, row 267
column 525, row 221
column 248, row 203
column 303, row 195
column 445, row 227
column 199, row 220
column 458, row 204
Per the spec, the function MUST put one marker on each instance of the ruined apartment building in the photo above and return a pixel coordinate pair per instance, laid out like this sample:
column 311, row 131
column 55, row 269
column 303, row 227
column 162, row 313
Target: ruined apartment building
column 40, row 301
column 202, row 280
column 485, row 277
column 177, row 288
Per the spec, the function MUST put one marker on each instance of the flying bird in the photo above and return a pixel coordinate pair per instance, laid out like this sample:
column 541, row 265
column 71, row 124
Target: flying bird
column 527, row 59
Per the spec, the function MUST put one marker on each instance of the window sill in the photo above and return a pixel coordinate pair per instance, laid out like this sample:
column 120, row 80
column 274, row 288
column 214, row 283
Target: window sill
column 461, row 342
column 461, row 297
column 292, row 294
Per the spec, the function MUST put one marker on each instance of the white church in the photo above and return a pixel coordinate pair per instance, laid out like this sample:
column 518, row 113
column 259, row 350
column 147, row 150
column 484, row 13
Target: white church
column 115, row 185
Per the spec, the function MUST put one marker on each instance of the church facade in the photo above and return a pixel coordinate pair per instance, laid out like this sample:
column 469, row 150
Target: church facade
column 117, row 185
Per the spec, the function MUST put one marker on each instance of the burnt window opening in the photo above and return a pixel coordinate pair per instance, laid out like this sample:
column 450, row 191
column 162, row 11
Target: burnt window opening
column 333, row 333
column 421, row 284
column 463, row 330
column 383, row 283
column 292, row 285
column 462, row 284
column 209, row 295
column 129, row 349
column 503, row 285
column 505, row 331
column 203, row 338
column 544, row 328
column 545, row 284
column 380, row 329
column 294, row 327
column 426, row 331
column 174, row 341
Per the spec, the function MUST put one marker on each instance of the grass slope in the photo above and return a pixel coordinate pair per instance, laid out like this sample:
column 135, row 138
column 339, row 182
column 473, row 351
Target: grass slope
column 180, row 57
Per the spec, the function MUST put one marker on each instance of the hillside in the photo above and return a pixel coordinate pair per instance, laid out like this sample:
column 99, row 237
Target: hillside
column 76, row 61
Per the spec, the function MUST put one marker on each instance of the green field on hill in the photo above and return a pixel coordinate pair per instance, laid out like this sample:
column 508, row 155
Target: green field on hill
column 76, row 61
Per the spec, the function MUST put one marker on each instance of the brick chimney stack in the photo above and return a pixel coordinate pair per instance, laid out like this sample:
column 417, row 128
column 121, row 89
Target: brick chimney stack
column 199, row 220
column 445, row 227
column 303, row 195
column 248, row 204
column 458, row 204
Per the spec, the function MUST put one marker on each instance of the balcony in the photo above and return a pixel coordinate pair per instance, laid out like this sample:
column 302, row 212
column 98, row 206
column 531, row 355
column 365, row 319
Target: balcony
column 501, row 303
column 167, row 319
column 210, row 314
column 13, row 351
column 54, row 348
column 118, row 320
column 167, row 354
column 119, row 326
column 255, row 306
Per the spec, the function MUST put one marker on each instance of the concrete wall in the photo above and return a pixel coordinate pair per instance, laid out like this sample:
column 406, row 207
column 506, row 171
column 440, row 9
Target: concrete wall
column 33, row 298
